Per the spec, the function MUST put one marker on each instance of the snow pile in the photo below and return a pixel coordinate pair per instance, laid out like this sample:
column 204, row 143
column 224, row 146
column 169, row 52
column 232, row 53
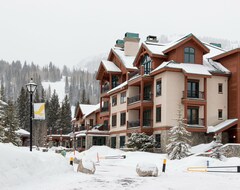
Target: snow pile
column 201, row 148
column 96, row 152
column 19, row 165
column 147, row 169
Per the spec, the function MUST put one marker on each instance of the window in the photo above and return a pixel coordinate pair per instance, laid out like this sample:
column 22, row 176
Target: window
column 105, row 125
column 159, row 88
column 193, row 89
column 147, row 94
column 189, row 55
column 123, row 98
column 158, row 140
column 193, row 115
column 147, row 63
column 122, row 141
column 123, row 118
column 114, row 81
column 91, row 122
column 114, row 120
column 113, row 142
column 158, row 114
column 147, row 118
column 220, row 88
column 114, row 100
column 220, row 114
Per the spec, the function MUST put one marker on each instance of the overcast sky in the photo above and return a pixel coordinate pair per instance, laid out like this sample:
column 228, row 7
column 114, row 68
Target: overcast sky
column 67, row 31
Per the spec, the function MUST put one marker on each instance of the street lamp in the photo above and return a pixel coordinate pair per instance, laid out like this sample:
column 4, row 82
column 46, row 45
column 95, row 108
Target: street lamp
column 31, row 87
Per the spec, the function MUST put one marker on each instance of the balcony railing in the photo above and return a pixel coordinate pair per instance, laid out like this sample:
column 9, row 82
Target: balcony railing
column 133, row 124
column 147, row 122
column 105, row 88
column 134, row 99
column 105, row 109
column 194, row 94
column 200, row 123
column 138, row 98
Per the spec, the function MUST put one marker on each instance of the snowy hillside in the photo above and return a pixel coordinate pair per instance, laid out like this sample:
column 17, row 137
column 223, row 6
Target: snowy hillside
column 24, row 170
column 59, row 86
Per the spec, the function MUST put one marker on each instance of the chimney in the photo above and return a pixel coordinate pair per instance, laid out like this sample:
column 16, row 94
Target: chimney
column 151, row 38
column 217, row 45
column 131, row 44
column 119, row 43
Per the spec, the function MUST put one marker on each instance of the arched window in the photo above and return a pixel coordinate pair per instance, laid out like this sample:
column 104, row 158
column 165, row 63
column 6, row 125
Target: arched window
column 189, row 55
column 147, row 63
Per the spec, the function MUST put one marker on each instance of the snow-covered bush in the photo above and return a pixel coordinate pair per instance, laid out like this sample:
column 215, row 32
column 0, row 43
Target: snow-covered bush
column 141, row 141
column 216, row 149
column 179, row 139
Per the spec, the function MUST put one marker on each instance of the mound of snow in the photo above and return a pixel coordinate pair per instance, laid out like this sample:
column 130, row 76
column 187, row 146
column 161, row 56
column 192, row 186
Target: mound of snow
column 100, row 151
column 201, row 148
column 18, row 165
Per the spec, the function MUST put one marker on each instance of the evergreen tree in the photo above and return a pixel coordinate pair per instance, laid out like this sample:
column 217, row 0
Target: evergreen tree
column 23, row 109
column 11, row 125
column 53, row 112
column 2, row 92
column 2, row 115
column 141, row 141
column 64, row 121
column 66, row 85
column 179, row 139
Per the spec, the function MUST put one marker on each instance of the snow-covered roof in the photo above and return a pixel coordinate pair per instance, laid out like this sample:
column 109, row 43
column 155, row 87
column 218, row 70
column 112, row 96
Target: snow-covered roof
column 186, row 67
column 126, row 60
column 110, row 66
column 214, row 50
column 220, row 126
column 118, row 87
column 88, row 109
column 206, row 68
column 22, row 132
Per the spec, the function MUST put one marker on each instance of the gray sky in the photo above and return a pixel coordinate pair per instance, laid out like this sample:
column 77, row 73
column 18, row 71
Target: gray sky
column 67, row 31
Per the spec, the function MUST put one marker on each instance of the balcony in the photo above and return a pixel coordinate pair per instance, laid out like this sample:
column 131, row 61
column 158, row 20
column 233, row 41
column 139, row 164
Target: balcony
column 137, row 98
column 132, row 124
column 194, row 94
column 196, row 123
column 147, row 122
column 105, row 109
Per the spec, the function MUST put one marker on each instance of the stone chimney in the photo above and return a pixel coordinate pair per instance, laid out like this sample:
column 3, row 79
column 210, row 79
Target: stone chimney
column 131, row 44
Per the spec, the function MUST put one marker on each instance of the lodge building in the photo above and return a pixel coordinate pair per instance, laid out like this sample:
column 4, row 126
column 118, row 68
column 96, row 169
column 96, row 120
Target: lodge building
column 143, row 84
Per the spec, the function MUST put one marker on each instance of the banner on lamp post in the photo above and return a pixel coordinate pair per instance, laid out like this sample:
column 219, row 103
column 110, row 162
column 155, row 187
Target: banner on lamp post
column 39, row 111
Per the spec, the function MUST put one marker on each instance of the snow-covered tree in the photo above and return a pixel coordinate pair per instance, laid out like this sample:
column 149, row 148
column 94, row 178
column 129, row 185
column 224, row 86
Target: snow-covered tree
column 11, row 125
column 179, row 139
column 141, row 141
column 2, row 114
column 216, row 148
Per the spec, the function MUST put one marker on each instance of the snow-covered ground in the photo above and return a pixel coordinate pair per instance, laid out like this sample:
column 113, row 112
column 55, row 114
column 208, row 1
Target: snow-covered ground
column 24, row 170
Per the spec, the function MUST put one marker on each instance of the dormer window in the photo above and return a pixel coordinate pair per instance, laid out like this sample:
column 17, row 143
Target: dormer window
column 147, row 63
column 189, row 55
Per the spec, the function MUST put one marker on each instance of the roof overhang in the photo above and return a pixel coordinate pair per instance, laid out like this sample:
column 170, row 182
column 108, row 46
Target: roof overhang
column 226, row 54
column 223, row 126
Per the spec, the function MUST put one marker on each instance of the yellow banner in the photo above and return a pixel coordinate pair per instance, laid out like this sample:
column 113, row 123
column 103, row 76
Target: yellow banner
column 39, row 111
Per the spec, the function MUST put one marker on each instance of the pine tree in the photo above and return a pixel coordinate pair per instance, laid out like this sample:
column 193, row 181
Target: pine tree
column 11, row 125
column 53, row 112
column 23, row 109
column 2, row 115
column 2, row 92
column 179, row 139
column 141, row 141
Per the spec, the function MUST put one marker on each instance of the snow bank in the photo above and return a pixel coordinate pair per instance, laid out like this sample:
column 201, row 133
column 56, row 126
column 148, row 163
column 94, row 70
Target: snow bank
column 19, row 166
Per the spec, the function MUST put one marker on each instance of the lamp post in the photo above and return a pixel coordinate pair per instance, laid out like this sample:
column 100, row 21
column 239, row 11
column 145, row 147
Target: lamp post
column 31, row 87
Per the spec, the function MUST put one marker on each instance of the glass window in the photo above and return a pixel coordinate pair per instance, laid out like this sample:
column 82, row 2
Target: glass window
column 158, row 114
column 91, row 122
column 193, row 89
column 114, row 120
column 158, row 140
column 189, row 55
column 122, row 141
column 193, row 116
column 220, row 88
column 220, row 114
column 123, row 118
column 147, row 63
column 113, row 142
column 114, row 100
column 123, row 98
column 114, row 81
column 147, row 118
column 159, row 88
